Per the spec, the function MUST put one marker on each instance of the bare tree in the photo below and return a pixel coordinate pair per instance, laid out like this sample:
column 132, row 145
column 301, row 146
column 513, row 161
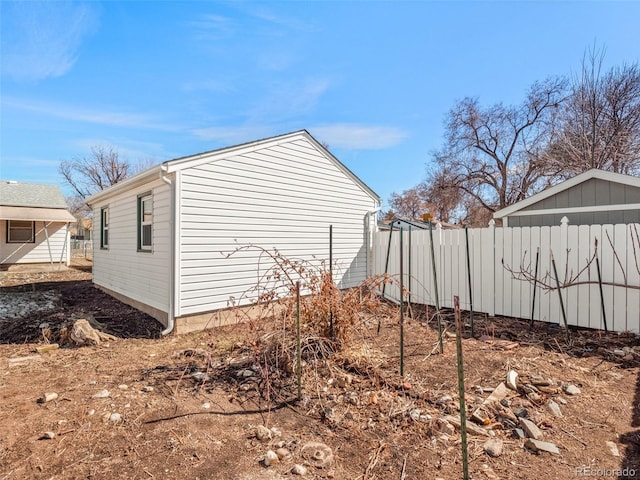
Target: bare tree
column 88, row 175
column 494, row 155
column 408, row 204
column 600, row 123
column 444, row 199
column 77, row 207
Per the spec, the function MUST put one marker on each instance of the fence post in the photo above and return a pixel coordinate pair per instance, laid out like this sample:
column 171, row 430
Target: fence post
column 491, row 273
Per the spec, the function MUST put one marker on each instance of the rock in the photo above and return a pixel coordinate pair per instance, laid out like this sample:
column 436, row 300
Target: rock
column 102, row 394
column 554, row 408
column 443, row 400
column 540, row 446
column 519, row 434
column 91, row 412
column 317, row 454
column 245, row 373
column 562, row 401
column 48, row 397
column 613, row 448
column 115, row 417
column 147, row 388
column 48, row 436
column 352, row 398
column 512, row 378
column 629, row 358
column 493, row 447
column 540, row 381
column 276, row 432
column 240, row 362
column 619, row 352
column 299, row 470
column 83, row 334
column 571, row 389
column 262, row 433
column 123, row 387
column 471, row 428
column 206, row 405
column 344, row 380
column 531, row 429
column 199, row 376
column 445, row 427
column 283, row 454
column 521, row 412
column 498, row 394
column 270, row 458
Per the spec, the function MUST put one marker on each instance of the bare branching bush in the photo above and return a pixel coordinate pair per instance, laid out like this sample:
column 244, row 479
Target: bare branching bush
column 328, row 314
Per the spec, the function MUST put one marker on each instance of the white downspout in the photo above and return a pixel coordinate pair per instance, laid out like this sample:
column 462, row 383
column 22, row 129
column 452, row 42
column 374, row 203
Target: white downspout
column 172, row 252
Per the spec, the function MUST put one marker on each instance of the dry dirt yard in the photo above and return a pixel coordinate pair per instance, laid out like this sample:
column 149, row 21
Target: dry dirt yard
column 212, row 405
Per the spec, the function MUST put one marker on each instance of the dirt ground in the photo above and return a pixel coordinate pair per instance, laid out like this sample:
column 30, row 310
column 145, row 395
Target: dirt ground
column 191, row 406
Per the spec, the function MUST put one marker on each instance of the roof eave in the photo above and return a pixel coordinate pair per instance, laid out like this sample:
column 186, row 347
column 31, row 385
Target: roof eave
column 133, row 182
column 583, row 177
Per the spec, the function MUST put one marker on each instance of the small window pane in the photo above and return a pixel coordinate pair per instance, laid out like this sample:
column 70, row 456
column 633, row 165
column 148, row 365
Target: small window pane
column 146, row 235
column 20, row 231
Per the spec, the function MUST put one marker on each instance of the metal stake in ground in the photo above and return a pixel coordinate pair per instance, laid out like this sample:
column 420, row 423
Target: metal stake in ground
column 564, row 315
column 463, row 411
column 435, row 286
column 386, row 270
column 604, row 315
column 298, row 347
column 535, row 284
column 409, row 309
column 466, row 234
column 331, row 280
column 401, row 306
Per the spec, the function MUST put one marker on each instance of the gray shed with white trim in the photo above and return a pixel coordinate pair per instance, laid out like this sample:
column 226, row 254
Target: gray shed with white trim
column 595, row 197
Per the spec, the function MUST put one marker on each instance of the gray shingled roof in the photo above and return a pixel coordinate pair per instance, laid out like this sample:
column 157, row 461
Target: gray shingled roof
column 31, row 195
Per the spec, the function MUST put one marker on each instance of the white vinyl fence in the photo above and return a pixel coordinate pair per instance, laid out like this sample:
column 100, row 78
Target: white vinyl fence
column 503, row 264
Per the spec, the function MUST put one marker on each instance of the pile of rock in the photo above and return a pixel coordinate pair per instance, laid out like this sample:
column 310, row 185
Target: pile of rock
column 282, row 452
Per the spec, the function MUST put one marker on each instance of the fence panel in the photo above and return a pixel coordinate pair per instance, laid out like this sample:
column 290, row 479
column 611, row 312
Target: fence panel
column 503, row 265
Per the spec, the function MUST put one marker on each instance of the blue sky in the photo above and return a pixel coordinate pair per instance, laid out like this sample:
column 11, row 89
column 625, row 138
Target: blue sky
column 373, row 80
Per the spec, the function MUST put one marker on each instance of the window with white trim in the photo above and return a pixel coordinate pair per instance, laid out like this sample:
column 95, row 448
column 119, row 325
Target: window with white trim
column 145, row 222
column 104, row 228
column 21, row 231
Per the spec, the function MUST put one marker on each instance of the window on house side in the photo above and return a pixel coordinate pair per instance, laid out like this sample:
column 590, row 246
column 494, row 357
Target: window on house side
column 21, row 231
column 104, row 228
column 145, row 222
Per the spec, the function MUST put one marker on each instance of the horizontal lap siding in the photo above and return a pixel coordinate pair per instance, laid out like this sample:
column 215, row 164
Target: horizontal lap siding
column 282, row 197
column 138, row 275
column 41, row 251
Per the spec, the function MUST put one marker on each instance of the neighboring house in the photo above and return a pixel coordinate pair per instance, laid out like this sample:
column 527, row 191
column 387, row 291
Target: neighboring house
column 81, row 229
column 410, row 223
column 161, row 238
column 34, row 223
column 595, row 197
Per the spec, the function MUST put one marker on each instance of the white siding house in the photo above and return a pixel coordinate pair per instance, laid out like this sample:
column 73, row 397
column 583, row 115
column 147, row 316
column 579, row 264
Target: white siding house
column 34, row 224
column 282, row 192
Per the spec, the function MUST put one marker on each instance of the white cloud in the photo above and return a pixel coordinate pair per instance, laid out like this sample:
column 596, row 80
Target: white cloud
column 102, row 117
column 42, row 39
column 358, row 137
